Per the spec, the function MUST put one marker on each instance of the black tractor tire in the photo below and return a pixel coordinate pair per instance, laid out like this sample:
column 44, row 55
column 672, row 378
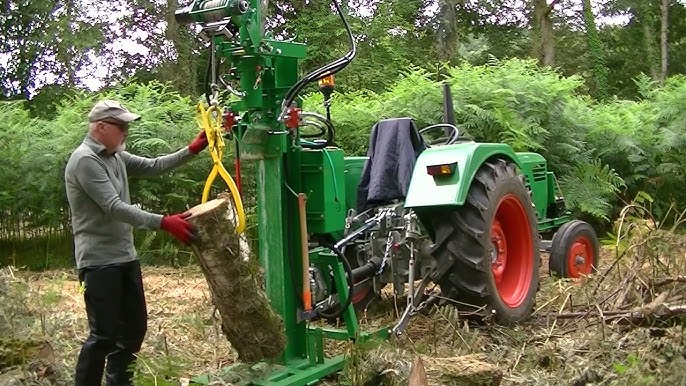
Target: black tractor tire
column 574, row 250
column 487, row 251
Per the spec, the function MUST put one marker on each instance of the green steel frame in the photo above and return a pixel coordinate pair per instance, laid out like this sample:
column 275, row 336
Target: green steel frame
column 267, row 69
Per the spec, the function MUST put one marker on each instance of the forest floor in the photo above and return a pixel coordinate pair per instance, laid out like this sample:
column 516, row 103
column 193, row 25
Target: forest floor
column 621, row 326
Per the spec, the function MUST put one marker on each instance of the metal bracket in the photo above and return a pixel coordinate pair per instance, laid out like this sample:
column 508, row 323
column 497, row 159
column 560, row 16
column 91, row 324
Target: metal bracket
column 413, row 308
column 210, row 30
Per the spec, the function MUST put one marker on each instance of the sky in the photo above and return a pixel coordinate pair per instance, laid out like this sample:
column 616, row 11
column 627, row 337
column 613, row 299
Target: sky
column 93, row 79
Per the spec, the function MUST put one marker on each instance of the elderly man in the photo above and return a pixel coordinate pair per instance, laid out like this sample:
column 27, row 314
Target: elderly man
column 103, row 219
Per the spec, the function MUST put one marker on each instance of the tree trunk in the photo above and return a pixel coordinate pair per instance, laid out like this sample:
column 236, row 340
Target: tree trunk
column 600, row 71
column 663, row 40
column 543, row 42
column 650, row 50
column 235, row 282
column 646, row 19
column 447, row 38
column 182, row 72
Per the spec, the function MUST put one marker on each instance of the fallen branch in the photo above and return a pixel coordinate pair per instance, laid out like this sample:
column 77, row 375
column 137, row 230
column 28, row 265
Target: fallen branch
column 666, row 316
column 670, row 280
column 658, row 302
column 584, row 314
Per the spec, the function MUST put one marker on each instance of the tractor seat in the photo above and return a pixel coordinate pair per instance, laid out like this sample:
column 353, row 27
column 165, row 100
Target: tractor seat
column 394, row 145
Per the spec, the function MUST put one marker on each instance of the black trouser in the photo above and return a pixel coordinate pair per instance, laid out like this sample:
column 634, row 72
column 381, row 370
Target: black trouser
column 117, row 317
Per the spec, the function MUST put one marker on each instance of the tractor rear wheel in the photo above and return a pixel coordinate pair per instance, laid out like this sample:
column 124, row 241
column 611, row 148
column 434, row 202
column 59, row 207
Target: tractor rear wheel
column 487, row 250
column 574, row 250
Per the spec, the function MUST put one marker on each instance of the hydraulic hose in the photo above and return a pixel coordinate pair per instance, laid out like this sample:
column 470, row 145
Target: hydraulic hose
column 368, row 270
column 319, row 145
column 351, row 285
column 328, row 69
column 208, row 74
column 365, row 271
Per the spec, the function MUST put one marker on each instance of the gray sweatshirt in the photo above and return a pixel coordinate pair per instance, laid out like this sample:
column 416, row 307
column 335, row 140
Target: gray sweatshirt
column 102, row 216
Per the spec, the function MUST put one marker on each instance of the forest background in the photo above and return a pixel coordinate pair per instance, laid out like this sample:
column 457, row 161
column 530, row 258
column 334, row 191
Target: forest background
column 597, row 87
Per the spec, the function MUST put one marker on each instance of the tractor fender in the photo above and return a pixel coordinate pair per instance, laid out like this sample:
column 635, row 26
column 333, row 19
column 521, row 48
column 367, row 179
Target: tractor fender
column 464, row 159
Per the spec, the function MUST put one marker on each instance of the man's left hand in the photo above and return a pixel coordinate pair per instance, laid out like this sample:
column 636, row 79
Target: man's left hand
column 199, row 143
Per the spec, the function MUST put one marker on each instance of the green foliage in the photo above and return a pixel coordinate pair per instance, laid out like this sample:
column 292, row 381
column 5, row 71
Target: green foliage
column 595, row 47
column 157, row 371
column 45, row 40
column 35, row 151
column 634, row 370
column 602, row 153
column 590, row 187
column 387, row 37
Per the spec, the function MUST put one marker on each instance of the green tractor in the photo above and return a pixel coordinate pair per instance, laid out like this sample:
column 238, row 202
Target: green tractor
column 467, row 218
column 470, row 217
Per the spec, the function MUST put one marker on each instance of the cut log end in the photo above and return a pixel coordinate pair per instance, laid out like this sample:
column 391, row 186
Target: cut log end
column 206, row 207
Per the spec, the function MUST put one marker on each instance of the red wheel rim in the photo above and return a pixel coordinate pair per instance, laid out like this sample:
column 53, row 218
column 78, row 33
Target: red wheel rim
column 512, row 251
column 580, row 258
column 360, row 291
column 499, row 252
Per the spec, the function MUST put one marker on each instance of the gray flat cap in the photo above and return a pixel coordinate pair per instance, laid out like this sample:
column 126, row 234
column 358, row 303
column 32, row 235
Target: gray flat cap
column 111, row 109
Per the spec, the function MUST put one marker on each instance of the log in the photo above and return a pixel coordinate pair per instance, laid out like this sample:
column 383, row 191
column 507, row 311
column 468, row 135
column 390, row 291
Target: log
column 418, row 374
column 389, row 366
column 236, row 282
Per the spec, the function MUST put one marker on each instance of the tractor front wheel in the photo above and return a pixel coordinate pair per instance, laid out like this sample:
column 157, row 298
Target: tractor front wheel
column 487, row 250
column 574, row 250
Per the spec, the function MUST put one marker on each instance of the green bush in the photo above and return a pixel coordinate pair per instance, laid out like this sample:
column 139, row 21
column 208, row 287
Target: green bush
column 515, row 102
column 33, row 200
column 603, row 153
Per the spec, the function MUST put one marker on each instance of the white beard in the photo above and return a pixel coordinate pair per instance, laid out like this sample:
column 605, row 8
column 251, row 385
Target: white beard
column 120, row 148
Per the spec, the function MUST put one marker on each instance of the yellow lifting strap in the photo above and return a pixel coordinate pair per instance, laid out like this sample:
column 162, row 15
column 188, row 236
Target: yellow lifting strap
column 210, row 120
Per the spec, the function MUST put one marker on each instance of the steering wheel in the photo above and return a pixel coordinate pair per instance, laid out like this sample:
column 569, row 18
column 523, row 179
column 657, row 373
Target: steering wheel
column 452, row 138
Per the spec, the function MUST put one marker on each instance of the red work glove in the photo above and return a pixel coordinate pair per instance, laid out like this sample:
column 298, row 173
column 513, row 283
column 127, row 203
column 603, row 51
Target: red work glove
column 199, row 143
column 178, row 227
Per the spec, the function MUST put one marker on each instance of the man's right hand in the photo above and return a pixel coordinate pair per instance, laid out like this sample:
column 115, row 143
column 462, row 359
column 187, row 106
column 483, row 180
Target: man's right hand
column 178, row 227
column 199, row 143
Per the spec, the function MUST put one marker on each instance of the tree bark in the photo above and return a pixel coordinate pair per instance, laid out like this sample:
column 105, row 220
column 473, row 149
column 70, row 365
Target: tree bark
column 447, row 38
column 235, row 281
column 646, row 19
column 183, row 72
column 600, row 71
column 663, row 40
column 544, row 42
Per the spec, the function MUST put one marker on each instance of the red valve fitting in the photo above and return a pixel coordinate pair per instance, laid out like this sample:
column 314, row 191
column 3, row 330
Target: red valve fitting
column 292, row 118
column 229, row 120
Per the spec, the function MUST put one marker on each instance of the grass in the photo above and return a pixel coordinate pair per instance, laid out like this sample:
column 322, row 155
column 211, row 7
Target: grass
column 185, row 340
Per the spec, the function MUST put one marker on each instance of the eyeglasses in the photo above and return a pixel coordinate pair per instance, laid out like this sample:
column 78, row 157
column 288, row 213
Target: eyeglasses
column 120, row 125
